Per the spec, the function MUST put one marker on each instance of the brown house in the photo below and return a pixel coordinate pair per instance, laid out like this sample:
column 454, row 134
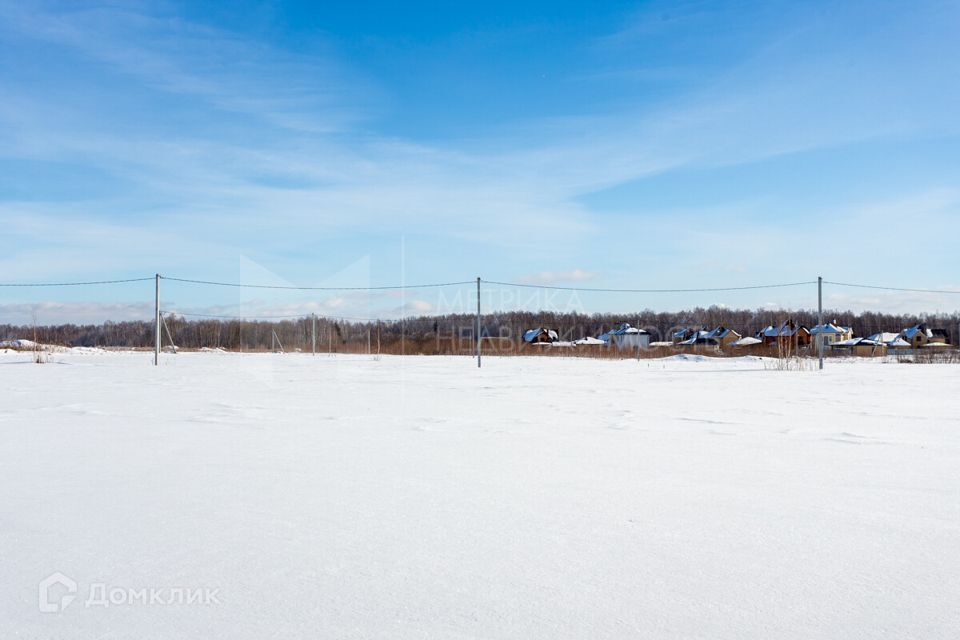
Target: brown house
column 921, row 335
column 787, row 335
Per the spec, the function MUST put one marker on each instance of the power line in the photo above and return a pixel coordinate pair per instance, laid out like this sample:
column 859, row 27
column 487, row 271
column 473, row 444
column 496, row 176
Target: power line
column 470, row 282
column 869, row 286
column 270, row 286
column 71, row 284
column 601, row 290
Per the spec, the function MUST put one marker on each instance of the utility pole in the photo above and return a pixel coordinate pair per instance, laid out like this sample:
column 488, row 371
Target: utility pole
column 156, row 328
column 820, row 318
column 313, row 334
column 478, row 322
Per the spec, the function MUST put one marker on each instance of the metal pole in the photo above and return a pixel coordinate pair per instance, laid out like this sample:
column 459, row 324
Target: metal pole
column 478, row 322
column 156, row 329
column 820, row 318
column 313, row 334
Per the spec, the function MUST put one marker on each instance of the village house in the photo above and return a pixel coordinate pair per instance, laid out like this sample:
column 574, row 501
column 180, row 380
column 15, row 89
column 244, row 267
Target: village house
column 788, row 334
column 540, row 336
column 920, row 336
column 830, row 333
column 878, row 344
column 723, row 337
column 697, row 338
column 718, row 337
column 626, row 337
column 681, row 335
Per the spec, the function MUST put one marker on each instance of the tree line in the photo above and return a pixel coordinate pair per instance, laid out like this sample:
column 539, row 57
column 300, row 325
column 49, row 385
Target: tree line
column 453, row 333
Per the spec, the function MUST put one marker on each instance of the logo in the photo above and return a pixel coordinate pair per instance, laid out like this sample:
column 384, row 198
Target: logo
column 56, row 592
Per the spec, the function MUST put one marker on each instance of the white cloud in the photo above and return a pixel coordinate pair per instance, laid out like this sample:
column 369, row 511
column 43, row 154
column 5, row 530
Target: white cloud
column 557, row 277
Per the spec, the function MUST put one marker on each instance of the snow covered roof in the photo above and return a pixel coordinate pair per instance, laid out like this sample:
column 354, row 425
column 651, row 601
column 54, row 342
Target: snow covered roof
column 17, row 344
column 858, row 342
column 851, row 342
column 624, row 329
column 697, row 335
column 721, row 332
column 784, row 330
column 746, row 341
column 830, row 328
column 885, row 337
column 532, row 334
column 911, row 332
column 589, row 340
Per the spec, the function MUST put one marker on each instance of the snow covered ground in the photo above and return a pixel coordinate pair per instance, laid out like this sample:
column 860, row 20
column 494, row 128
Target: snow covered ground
column 342, row 497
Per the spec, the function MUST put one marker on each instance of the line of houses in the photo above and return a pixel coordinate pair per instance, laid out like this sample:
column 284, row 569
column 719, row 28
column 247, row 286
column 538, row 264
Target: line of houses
column 788, row 336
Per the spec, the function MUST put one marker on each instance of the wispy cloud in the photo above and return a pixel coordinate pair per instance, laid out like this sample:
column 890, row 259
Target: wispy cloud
column 214, row 147
column 558, row 277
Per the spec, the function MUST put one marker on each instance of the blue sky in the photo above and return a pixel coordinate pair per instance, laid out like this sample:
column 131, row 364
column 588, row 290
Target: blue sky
column 650, row 144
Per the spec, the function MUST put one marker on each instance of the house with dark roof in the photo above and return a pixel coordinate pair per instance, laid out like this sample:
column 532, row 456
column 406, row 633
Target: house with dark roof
column 723, row 336
column 626, row 337
column 679, row 336
column 920, row 336
column 788, row 334
column 540, row 336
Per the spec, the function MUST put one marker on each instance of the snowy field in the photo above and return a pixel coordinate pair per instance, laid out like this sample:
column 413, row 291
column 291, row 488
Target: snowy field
column 343, row 497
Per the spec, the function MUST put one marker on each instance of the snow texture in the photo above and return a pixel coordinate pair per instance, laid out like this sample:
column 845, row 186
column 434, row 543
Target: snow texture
column 353, row 497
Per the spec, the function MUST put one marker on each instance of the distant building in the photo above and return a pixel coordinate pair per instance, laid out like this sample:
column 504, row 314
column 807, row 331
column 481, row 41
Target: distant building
column 626, row 337
column 540, row 336
column 879, row 344
column 830, row 333
column 920, row 336
column 723, row 337
column 682, row 335
column 699, row 337
column 788, row 334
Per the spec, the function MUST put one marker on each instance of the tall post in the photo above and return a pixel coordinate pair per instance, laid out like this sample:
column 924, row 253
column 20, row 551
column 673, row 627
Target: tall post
column 820, row 318
column 313, row 334
column 156, row 328
column 478, row 322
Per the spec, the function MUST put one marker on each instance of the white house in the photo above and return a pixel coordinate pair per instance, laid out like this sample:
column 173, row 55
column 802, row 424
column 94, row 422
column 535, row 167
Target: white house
column 830, row 333
column 627, row 337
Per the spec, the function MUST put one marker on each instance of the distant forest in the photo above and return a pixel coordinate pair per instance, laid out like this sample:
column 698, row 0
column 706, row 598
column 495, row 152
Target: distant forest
column 443, row 334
